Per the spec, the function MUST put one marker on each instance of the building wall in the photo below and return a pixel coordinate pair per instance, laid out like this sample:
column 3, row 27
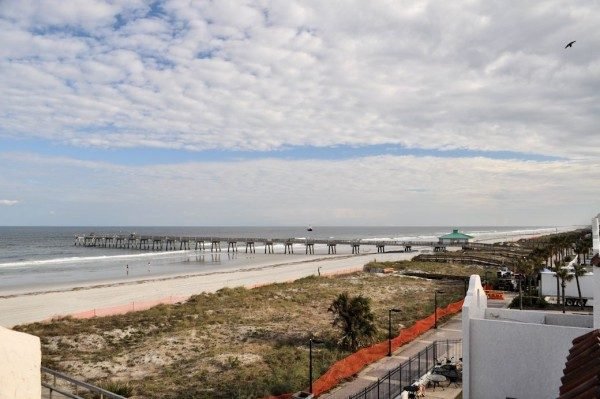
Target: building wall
column 458, row 241
column 518, row 360
column 512, row 353
column 474, row 307
column 539, row 317
column 20, row 361
column 596, row 233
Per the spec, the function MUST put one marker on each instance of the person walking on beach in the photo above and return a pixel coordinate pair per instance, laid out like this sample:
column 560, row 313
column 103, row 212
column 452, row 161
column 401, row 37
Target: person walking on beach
column 148, row 267
column 127, row 269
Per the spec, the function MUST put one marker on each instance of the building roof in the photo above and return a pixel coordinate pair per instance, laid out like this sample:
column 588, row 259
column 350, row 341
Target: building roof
column 455, row 235
column 582, row 370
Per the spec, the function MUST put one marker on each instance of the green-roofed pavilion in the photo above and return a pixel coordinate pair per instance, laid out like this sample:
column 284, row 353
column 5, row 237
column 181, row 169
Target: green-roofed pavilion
column 454, row 238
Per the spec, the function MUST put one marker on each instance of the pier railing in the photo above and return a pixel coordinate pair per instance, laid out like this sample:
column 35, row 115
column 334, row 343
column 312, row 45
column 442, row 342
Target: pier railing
column 58, row 385
column 160, row 242
column 393, row 383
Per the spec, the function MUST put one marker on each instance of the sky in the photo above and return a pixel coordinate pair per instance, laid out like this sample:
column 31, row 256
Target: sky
column 465, row 113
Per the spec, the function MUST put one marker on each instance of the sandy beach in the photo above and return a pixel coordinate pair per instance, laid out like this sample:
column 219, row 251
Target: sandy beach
column 37, row 305
column 29, row 307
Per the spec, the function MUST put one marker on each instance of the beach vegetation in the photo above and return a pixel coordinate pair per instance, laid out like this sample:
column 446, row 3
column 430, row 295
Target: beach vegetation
column 353, row 316
column 428, row 267
column 119, row 387
column 528, row 302
column 233, row 343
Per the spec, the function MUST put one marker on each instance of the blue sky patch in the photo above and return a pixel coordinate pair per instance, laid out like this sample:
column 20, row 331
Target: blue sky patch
column 150, row 156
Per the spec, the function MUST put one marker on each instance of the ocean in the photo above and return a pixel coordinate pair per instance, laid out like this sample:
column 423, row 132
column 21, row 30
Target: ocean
column 45, row 258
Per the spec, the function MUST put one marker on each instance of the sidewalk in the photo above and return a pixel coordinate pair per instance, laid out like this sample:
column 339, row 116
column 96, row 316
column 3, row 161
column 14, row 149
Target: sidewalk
column 452, row 329
column 449, row 330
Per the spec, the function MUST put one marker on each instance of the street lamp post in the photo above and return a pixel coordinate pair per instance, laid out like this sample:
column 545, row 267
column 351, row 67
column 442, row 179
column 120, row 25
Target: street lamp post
column 435, row 306
column 310, row 368
column 390, row 329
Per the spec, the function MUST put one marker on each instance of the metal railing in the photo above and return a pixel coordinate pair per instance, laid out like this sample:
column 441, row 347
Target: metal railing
column 392, row 384
column 58, row 385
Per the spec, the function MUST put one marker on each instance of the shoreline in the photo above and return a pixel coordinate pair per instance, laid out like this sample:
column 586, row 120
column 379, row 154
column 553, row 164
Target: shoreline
column 31, row 306
column 115, row 283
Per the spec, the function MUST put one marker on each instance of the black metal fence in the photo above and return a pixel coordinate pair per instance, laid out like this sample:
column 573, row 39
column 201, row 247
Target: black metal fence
column 390, row 386
column 58, row 385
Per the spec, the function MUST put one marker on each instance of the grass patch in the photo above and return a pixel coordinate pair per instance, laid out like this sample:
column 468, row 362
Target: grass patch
column 427, row 267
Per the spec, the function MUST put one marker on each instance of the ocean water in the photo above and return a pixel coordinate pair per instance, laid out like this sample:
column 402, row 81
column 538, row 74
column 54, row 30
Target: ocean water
column 45, row 258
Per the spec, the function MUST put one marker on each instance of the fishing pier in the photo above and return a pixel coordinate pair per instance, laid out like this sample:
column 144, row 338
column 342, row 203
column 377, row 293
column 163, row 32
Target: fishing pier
column 172, row 243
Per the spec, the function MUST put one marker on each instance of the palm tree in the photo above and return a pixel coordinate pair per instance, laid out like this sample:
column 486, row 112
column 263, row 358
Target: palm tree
column 555, row 247
column 557, row 268
column 354, row 317
column 525, row 267
column 587, row 245
column 579, row 270
column 579, row 249
column 564, row 275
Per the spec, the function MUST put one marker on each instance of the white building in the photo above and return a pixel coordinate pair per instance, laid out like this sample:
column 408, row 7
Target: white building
column 20, row 360
column 596, row 233
column 519, row 354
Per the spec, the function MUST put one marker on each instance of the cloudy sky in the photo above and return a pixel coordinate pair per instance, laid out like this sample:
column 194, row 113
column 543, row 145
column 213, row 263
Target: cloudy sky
column 291, row 112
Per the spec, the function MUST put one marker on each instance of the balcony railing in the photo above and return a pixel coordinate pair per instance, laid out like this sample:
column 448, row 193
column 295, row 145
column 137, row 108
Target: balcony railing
column 391, row 385
column 58, row 385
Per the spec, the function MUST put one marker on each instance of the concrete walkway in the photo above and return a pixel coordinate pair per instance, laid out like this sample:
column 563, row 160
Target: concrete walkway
column 452, row 329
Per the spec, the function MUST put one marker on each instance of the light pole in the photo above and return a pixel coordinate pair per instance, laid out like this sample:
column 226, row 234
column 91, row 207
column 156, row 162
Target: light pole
column 390, row 329
column 435, row 306
column 310, row 344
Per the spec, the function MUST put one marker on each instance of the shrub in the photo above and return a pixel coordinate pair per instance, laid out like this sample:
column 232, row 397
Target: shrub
column 530, row 302
column 118, row 387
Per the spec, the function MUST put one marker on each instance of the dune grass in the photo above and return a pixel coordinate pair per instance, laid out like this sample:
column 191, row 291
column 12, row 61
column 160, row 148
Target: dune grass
column 235, row 343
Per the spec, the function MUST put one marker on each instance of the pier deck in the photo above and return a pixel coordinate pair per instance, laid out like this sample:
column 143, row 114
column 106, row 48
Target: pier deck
column 172, row 243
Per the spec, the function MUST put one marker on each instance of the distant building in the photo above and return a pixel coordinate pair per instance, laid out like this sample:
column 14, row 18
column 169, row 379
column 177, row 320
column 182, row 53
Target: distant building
column 454, row 238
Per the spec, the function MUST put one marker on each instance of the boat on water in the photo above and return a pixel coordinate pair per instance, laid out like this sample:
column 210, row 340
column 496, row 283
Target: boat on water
column 309, row 228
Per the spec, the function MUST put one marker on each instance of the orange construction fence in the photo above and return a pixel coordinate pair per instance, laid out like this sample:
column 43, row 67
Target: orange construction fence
column 491, row 294
column 351, row 365
column 130, row 307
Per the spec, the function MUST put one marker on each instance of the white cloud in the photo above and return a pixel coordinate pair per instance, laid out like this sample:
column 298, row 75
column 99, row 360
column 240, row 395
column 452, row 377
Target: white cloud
column 260, row 75
column 381, row 190
column 5, row 202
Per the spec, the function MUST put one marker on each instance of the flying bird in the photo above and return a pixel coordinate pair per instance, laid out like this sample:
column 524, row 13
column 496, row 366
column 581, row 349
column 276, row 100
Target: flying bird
column 570, row 44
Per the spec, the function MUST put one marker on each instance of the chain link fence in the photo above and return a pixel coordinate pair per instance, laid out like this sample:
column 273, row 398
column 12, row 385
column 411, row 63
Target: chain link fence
column 391, row 385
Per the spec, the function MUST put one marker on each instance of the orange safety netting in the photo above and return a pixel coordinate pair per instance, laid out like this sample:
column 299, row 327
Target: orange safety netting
column 491, row 294
column 130, row 307
column 352, row 364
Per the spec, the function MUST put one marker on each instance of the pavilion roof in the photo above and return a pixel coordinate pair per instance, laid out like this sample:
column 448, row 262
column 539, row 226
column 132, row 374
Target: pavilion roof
column 456, row 235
